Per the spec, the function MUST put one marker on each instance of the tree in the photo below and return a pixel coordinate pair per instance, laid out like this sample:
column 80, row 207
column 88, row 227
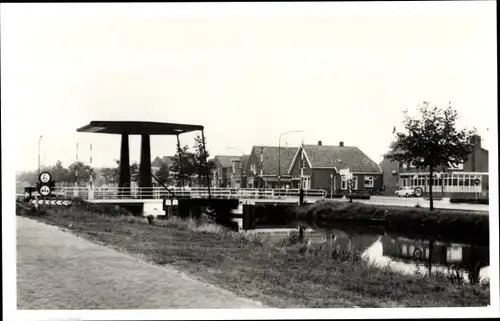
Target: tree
column 134, row 172
column 163, row 174
column 432, row 141
column 59, row 172
column 109, row 175
column 201, row 162
column 79, row 172
column 184, row 169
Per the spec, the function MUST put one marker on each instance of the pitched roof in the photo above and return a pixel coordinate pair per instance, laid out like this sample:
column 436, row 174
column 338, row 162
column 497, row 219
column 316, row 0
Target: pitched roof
column 329, row 156
column 165, row 160
column 270, row 158
column 225, row 160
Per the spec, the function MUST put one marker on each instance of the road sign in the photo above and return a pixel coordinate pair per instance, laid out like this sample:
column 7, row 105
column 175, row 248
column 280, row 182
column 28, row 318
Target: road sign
column 52, row 202
column 44, row 190
column 45, row 177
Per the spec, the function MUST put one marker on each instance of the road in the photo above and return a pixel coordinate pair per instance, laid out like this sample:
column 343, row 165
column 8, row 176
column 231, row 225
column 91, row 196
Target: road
column 58, row 270
column 412, row 201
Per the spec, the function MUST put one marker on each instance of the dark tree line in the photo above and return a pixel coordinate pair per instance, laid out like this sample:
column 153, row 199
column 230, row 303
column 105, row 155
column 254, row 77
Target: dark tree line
column 193, row 170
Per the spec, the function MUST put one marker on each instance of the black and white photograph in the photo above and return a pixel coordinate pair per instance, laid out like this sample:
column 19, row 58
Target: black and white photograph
column 241, row 160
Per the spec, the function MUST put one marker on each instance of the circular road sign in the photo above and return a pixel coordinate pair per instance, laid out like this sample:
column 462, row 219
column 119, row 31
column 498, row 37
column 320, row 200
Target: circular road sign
column 44, row 190
column 418, row 191
column 45, row 177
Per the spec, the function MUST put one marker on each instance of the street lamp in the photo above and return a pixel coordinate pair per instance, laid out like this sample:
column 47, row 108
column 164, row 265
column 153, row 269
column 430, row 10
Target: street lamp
column 279, row 154
column 39, row 141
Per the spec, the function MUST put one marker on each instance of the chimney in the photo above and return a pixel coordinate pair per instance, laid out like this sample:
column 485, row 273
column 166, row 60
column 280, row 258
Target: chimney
column 341, row 144
column 476, row 140
column 319, row 143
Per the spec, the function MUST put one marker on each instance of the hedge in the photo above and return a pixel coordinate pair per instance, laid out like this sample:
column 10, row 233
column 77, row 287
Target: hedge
column 354, row 196
column 466, row 200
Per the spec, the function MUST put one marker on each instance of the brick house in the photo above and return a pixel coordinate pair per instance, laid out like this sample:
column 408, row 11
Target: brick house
column 262, row 166
column 476, row 166
column 321, row 166
column 321, row 171
column 227, row 172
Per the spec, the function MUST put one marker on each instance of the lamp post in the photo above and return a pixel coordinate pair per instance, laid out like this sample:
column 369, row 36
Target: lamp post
column 279, row 154
column 39, row 141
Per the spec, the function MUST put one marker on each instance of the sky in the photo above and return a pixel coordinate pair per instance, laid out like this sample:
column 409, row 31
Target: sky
column 248, row 73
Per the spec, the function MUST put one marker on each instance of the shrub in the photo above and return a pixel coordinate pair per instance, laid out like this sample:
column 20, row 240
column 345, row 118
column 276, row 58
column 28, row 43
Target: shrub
column 466, row 200
column 360, row 196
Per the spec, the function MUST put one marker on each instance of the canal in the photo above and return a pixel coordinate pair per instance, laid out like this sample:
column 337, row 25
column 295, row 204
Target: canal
column 400, row 253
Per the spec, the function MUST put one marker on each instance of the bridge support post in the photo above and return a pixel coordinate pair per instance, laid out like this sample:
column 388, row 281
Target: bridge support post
column 124, row 182
column 145, row 178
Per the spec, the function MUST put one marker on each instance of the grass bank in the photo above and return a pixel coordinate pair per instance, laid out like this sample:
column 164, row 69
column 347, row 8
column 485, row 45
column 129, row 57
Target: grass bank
column 450, row 225
column 284, row 276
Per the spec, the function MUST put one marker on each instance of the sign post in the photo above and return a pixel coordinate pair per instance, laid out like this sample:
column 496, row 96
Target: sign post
column 44, row 186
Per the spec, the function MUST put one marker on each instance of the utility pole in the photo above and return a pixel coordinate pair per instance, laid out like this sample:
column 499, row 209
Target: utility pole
column 39, row 141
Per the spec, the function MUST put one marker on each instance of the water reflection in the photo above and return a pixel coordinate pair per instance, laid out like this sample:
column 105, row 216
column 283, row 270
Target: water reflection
column 402, row 254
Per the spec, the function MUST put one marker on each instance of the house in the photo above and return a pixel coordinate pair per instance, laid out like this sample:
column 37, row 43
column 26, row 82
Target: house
column 227, row 172
column 461, row 179
column 321, row 165
column 157, row 162
column 319, row 168
column 262, row 166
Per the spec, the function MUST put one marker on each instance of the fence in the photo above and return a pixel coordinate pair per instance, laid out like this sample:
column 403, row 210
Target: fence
column 109, row 193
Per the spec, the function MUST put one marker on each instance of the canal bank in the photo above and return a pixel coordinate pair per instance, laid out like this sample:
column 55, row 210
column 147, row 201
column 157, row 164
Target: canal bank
column 279, row 276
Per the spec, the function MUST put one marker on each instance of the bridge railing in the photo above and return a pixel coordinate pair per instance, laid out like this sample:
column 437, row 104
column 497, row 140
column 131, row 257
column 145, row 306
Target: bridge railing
column 103, row 193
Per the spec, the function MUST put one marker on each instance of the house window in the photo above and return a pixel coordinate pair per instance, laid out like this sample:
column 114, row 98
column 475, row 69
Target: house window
column 306, row 182
column 343, row 183
column 404, row 249
column 369, row 181
column 253, row 169
column 355, row 183
column 454, row 254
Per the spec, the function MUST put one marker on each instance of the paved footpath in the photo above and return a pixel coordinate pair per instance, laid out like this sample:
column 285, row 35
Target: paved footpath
column 58, row 270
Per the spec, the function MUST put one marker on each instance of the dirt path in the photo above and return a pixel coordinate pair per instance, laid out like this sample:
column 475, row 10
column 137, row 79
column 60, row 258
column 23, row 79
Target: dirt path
column 58, row 270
